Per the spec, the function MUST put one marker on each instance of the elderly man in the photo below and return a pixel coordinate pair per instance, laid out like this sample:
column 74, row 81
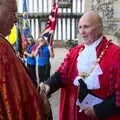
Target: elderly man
column 89, row 76
column 19, row 99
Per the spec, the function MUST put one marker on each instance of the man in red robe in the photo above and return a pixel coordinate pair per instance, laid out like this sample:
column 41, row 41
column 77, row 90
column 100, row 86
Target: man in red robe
column 19, row 99
column 89, row 76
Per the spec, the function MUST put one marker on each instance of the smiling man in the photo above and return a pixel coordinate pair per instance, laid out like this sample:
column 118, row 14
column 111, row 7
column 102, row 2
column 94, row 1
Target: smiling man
column 89, row 76
column 19, row 99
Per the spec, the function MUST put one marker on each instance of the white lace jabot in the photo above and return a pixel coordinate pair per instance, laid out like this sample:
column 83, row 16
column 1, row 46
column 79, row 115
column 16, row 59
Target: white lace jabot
column 86, row 60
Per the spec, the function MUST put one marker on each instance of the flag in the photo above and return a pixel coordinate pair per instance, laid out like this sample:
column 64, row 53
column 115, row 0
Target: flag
column 23, row 31
column 26, row 31
column 48, row 31
column 25, row 6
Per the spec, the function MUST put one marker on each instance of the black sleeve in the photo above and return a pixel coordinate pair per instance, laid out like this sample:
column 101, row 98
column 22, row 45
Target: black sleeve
column 54, row 82
column 107, row 108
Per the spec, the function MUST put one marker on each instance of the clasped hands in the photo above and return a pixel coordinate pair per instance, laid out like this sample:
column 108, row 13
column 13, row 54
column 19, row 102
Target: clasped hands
column 44, row 88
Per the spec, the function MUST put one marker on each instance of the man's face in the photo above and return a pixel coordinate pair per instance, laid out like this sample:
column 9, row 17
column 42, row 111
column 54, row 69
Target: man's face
column 8, row 9
column 89, row 29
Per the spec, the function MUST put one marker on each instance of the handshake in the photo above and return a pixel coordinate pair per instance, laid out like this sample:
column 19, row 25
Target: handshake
column 43, row 88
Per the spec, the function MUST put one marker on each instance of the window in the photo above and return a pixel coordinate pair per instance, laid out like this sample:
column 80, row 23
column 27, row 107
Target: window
column 65, row 3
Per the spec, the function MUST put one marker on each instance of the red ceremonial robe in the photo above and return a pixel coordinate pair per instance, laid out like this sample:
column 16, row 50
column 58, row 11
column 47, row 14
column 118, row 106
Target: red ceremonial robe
column 109, row 81
column 19, row 99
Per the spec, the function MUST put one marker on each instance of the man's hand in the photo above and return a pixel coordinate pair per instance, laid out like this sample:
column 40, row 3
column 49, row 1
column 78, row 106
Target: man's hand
column 89, row 111
column 44, row 88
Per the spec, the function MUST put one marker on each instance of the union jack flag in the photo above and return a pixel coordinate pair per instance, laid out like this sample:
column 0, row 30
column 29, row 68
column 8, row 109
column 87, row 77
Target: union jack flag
column 48, row 31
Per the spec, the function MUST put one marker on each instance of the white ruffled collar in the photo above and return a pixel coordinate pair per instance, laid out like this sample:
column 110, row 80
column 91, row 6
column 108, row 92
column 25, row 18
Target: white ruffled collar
column 85, row 61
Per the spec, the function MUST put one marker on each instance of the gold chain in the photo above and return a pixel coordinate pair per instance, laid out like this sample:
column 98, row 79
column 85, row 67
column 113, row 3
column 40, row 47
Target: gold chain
column 85, row 74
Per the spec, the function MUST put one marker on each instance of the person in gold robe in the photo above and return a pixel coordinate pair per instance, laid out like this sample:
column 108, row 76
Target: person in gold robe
column 19, row 98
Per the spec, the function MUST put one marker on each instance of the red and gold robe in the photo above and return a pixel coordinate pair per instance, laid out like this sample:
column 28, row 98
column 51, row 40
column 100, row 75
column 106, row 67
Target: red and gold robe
column 19, row 99
column 109, row 81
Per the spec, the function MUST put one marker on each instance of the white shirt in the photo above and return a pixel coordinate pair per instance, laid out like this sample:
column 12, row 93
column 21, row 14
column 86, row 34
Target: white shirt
column 85, row 61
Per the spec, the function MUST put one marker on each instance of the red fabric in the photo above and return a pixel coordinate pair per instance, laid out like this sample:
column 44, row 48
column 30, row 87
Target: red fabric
column 117, row 77
column 19, row 99
column 108, row 81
